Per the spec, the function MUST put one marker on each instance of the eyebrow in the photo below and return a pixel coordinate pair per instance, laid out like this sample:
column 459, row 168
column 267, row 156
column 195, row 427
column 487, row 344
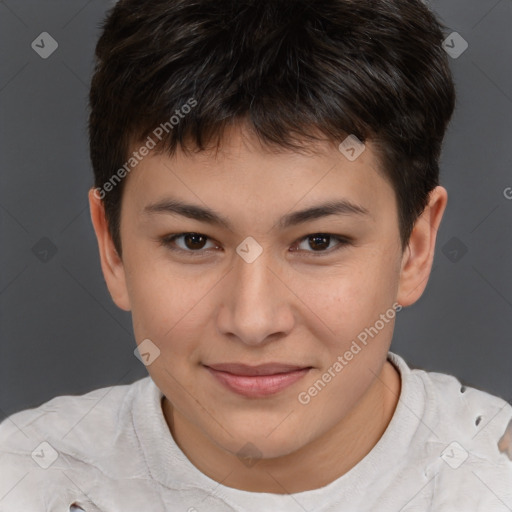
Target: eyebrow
column 203, row 214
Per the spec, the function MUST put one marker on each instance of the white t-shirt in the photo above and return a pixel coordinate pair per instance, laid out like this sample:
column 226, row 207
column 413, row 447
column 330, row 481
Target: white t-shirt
column 111, row 451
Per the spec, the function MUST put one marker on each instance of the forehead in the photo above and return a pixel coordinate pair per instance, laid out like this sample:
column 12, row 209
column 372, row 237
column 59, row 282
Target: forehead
column 243, row 173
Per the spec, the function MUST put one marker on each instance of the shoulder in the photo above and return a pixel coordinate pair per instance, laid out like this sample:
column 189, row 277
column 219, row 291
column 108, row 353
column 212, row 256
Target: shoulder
column 470, row 444
column 472, row 414
column 38, row 446
column 62, row 417
column 459, row 411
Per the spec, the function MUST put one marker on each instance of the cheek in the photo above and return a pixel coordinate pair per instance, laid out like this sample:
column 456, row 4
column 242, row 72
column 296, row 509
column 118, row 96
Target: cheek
column 166, row 304
column 348, row 300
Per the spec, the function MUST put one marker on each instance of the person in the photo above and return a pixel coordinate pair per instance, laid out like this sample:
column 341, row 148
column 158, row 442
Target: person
column 266, row 202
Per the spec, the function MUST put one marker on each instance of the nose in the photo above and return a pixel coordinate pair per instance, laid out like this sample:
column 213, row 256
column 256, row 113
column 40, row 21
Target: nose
column 258, row 305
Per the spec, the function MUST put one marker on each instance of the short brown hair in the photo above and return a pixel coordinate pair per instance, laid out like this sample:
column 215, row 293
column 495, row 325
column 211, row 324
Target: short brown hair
column 290, row 68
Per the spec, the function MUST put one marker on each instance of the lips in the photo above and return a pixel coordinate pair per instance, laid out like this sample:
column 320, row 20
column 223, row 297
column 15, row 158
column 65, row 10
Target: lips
column 257, row 381
column 262, row 369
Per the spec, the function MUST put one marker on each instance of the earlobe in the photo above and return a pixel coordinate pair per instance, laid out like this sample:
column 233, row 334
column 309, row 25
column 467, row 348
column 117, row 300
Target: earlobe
column 419, row 255
column 111, row 264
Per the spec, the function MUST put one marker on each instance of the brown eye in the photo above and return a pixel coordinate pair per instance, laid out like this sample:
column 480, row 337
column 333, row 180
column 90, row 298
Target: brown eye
column 194, row 241
column 187, row 242
column 321, row 243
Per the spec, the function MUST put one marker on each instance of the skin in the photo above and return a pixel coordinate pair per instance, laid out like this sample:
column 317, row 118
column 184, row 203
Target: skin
column 299, row 306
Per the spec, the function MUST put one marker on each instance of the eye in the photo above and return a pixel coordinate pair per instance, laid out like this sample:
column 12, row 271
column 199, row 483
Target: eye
column 196, row 243
column 321, row 243
column 187, row 242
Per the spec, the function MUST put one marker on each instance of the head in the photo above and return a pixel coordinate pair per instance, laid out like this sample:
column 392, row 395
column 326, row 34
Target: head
column 224, row 120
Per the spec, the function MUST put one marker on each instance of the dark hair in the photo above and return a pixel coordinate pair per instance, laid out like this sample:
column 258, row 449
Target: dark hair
column 289, row 69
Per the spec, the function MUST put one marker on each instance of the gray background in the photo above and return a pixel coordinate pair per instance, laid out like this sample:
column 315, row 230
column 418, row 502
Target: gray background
column 60, row 331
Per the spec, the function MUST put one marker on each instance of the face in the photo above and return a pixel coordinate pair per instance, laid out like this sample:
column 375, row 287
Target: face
column 240, row 257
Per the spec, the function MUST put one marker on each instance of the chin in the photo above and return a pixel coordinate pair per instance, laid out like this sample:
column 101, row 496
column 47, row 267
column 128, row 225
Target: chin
column 256, row 445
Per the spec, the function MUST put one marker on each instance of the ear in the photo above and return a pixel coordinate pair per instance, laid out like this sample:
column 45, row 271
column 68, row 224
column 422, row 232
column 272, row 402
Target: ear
column 111, row 264
column 419, row 253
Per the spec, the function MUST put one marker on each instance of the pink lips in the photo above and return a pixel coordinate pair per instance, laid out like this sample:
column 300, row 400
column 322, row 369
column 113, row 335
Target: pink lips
column 257, row 381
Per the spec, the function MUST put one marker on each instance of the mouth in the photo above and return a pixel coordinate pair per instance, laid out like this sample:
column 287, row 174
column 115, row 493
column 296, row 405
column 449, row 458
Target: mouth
column 257, row 381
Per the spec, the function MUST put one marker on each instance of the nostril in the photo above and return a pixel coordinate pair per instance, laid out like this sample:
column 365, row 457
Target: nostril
column 462, row 389
column 478, row 420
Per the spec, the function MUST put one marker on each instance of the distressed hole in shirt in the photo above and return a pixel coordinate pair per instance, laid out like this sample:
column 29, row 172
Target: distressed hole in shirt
column 462, row 389
column 505, row 442
column 478, row 420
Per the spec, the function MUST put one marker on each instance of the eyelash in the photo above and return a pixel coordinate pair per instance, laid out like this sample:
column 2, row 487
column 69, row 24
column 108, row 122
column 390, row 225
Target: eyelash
column 168, row 241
